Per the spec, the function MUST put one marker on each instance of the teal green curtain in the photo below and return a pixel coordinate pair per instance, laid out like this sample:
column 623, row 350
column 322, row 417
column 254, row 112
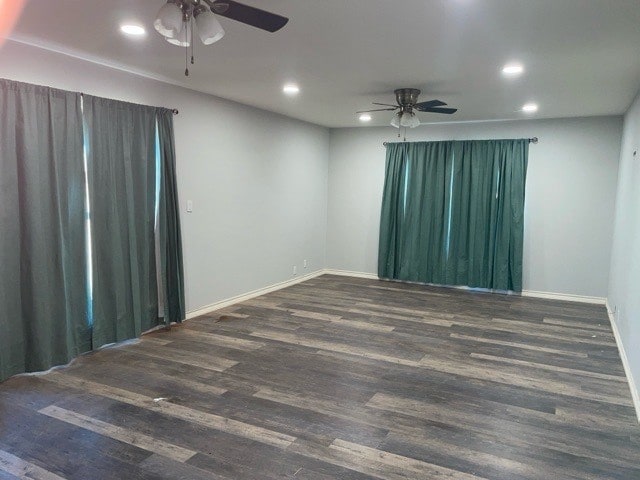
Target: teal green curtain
column 121, row 150
column 413, row 223
column 392, row 219
column 43, row 304
column 170, row 241
column 452, row 213
column 487, row 214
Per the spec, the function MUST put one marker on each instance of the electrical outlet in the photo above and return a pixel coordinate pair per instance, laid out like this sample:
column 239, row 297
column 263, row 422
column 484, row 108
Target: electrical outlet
column 304, row 264
column 295, row 270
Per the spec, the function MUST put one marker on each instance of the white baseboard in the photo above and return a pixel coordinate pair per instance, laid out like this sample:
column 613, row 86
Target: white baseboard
column 272, row 288
column 255, row 293
column 347, row 273
column 525, row 293
column 567, row 297
column 625, row 362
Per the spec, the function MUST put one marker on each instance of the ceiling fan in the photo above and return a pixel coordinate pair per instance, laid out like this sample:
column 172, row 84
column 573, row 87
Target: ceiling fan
column 177, row 18
column 407, row 106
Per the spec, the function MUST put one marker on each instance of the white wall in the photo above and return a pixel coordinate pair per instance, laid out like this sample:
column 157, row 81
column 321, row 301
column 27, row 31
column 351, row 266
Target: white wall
column 258, row 180
column 570, row 195
column 624, row 287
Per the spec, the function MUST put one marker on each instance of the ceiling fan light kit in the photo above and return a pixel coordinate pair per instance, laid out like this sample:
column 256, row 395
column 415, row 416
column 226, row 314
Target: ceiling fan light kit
column 175, row 22
column 177, row 19
column 405, row 119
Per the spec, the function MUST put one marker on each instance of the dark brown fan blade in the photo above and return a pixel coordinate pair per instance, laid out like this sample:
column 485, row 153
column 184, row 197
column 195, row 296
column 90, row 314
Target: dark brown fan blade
column 384, row 104
column 431, row 103
column 448, row 111
column 377, row 110
column 251, row 16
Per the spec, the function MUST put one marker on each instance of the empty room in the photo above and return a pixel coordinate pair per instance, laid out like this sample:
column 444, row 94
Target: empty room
column 337, row 239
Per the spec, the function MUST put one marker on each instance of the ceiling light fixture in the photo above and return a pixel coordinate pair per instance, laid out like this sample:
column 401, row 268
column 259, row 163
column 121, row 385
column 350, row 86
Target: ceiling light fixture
column 405, row 118
column 530, row 108
column 177, row 19
column 512, row 70
column 291, row 89
column 132, row 29
column 365, row 117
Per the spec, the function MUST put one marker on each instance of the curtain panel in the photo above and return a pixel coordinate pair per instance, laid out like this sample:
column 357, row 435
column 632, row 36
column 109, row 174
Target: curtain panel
column 121, row 152
column 453, row 213
column 43, row 286
column 170, row 240
column 413, row 224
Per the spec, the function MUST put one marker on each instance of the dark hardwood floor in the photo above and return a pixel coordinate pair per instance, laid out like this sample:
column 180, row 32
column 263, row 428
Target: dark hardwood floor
column 338, row 378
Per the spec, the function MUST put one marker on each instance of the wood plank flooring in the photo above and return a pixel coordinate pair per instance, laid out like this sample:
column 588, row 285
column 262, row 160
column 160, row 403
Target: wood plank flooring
column 338, row 378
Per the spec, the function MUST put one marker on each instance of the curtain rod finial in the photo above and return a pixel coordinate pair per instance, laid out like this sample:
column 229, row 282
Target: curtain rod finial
column 175, row 111
column 533, row 140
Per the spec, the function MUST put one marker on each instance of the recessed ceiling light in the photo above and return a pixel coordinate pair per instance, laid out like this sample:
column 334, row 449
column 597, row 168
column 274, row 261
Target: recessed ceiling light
column 512, row 69
column 132, row 29
column 530, row 108
column 291, row 89
column 365, row 117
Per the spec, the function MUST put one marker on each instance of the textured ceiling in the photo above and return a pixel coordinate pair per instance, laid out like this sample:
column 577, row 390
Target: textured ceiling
column 581, row 56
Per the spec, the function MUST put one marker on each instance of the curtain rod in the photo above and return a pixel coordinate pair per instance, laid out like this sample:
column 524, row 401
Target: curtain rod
column 173, row 110
column 531, row 140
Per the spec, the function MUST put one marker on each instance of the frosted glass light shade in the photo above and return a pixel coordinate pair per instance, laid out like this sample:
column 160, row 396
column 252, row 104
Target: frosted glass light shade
column 169, row 22
column 403, row 119
column 183, row 39
column 209, row 28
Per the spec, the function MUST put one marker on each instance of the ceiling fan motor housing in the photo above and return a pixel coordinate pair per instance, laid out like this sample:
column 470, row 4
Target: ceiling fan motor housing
column 407, row 96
